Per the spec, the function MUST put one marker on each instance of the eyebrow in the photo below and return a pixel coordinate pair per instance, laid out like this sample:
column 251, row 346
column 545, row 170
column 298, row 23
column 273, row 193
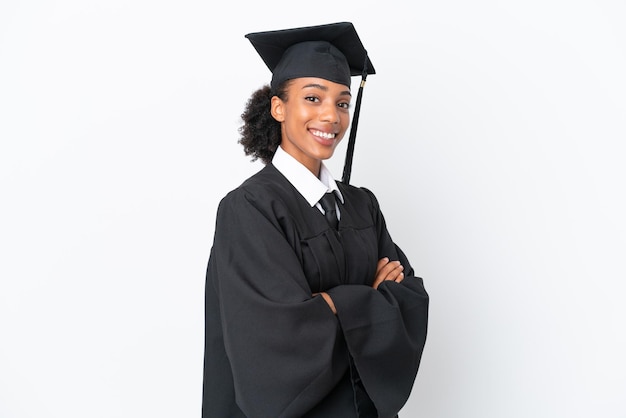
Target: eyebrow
column 325, row 88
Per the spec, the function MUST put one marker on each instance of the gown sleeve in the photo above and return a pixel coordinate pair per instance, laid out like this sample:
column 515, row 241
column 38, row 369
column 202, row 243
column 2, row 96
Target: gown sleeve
column 385, row 328
column 284, row 346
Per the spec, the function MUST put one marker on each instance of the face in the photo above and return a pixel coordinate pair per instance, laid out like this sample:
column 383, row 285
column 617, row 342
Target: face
column 313, row 120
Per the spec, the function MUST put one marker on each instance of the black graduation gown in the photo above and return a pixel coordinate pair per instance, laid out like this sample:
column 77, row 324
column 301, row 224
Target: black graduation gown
column 274, row 350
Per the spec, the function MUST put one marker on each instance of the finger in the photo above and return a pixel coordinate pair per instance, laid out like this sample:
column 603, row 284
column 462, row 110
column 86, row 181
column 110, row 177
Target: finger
column 393, row 274
column 400, row 277
column 390, row 270
column 381, row 263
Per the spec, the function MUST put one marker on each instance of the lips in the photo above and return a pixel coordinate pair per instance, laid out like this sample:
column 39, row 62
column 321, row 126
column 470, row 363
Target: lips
column 323, row 135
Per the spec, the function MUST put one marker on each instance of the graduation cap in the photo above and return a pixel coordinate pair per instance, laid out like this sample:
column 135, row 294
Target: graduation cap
column 333, row 52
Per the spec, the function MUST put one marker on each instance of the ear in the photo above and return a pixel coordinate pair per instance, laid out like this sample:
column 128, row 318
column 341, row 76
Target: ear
column 277, row 109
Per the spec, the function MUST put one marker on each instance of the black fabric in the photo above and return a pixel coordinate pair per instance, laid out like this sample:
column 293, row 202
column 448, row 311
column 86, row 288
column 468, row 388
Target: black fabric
column 364, row 406
column 331, row 51
column 312, row 59
column 329, row 204
column 274, row 350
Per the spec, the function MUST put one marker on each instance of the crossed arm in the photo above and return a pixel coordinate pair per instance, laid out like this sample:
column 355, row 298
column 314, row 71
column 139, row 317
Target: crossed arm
column 385, row 270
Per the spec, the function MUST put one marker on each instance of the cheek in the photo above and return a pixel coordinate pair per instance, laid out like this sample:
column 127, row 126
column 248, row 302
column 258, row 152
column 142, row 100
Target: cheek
column 345, row 121
column 304, row 113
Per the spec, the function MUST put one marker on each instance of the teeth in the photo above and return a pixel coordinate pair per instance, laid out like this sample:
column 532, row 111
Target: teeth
column 323, row 134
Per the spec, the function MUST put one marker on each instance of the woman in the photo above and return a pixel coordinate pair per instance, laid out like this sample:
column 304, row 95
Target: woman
column 307, row 315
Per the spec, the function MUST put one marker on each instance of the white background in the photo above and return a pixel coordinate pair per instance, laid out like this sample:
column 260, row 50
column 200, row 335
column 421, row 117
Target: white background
column 493, row 135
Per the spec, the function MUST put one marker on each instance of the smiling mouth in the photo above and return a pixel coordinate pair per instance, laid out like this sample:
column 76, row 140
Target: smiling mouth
column 324, row 135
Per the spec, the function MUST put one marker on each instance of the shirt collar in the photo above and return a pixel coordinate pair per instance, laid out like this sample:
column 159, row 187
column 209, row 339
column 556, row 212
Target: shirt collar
column 309, row 186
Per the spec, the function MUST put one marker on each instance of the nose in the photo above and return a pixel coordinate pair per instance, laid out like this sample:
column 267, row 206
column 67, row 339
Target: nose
column 329, row 113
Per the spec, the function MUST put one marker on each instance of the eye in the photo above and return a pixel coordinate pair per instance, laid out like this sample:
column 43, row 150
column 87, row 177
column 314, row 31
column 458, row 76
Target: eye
column 344, row 105
column 312, row 99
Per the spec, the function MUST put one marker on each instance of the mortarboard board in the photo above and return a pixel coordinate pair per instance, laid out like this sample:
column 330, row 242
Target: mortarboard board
column 332, row 51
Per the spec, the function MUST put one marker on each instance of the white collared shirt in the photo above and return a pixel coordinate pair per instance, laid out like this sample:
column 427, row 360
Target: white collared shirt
column 305, row 182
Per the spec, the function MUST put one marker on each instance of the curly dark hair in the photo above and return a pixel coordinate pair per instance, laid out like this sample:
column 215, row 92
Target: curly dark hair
column 260, row 132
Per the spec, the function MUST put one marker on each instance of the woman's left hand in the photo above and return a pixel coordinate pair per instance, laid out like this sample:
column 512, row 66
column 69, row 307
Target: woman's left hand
column 388, row 270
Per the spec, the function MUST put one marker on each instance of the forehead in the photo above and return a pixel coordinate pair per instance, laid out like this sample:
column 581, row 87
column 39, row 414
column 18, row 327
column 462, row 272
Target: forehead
column 318, row 83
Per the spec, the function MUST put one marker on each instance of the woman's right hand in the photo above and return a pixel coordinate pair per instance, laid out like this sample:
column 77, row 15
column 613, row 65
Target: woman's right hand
column 388, row 270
